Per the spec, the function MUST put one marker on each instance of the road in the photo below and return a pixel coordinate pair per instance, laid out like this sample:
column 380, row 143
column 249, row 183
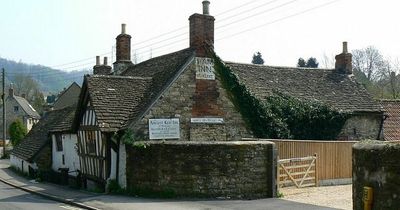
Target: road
column 15, row 199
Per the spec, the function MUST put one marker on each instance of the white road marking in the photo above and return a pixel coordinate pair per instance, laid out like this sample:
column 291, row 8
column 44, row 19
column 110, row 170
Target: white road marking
column 71, row 208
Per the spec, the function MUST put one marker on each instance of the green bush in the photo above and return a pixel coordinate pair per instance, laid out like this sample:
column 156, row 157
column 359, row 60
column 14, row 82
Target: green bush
column 17, row 132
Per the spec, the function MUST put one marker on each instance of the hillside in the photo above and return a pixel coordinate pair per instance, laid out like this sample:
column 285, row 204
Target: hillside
column 50, row 80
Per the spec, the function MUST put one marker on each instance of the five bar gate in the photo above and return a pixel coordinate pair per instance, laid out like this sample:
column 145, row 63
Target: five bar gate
column 301, row 172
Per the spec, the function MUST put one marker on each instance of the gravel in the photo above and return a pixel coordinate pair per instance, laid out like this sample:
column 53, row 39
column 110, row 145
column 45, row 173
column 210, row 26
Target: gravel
column 339, row 197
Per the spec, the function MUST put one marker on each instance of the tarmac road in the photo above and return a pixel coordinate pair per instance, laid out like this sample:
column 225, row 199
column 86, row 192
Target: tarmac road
column 15, row 199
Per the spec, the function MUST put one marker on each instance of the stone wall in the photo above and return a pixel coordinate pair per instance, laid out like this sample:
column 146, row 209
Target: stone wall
column 361, row 127
column 376, row 164
column 203, row 169
column 178, row 102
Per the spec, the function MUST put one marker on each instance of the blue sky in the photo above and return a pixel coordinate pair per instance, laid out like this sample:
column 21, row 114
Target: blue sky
column 54, row 32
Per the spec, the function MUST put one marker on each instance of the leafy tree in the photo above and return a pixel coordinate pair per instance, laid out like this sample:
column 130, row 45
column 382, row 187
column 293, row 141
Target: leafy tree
column 17, row 132
column 257, row 58
column 312, row 63
column 301, row 63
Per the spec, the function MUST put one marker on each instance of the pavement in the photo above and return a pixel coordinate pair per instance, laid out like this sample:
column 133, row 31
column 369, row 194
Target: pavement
column 94, row 201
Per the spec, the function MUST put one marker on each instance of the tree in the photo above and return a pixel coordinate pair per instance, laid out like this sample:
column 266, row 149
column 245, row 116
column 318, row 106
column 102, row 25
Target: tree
column 328, row 62
column 257, row 58
column 26, row 85
column 301, row 63
column 312, row 63
column 17, row 132
column 368, row 61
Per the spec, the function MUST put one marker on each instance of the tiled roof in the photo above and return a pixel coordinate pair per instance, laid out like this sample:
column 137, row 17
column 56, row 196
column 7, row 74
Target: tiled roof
column 64, row 123
column 391, row 126
column 29, row 110
column 38, row 137
column 161, row 69
column 327, row 86
column 67, row 97
column 120, row 100
column 117, row 99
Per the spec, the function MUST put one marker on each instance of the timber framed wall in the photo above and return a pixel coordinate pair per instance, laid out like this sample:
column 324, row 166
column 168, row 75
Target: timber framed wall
column 334, row 164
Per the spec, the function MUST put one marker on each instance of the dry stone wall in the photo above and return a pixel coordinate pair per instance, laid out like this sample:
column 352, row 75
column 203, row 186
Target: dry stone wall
column 203, row 169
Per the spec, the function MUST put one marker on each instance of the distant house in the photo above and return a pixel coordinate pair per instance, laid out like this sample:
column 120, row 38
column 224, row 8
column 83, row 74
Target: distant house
column 67, row 97
column 18, row 108
column 391, row 125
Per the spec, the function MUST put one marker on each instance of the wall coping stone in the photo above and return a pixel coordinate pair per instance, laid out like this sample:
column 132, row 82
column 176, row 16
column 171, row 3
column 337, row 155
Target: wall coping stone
column 174, row 142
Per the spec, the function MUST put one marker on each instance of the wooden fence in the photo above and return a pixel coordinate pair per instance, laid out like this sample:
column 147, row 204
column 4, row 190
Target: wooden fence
column 334, row 157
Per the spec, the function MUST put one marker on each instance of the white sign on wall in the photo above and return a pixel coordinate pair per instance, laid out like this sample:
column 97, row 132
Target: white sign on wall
column 205, row 68
column 164, row 128
column 207, row 120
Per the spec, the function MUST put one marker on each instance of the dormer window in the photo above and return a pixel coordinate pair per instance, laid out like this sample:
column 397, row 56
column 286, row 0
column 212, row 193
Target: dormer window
column 16, row 108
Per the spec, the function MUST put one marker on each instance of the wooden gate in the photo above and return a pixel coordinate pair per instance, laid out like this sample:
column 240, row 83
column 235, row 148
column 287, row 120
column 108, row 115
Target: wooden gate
column 301, row 172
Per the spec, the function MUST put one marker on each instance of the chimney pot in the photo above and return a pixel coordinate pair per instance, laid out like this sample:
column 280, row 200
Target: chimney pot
column 345, row 47
column 97, row 60
column 123, row 28
column 105, row 61
column 206, row 7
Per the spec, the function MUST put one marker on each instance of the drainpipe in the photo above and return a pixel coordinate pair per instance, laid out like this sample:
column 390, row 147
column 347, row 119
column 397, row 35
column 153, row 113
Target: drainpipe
column 380, row 133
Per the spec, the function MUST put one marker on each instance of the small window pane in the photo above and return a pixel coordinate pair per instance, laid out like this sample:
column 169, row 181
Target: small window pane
column 59, row 145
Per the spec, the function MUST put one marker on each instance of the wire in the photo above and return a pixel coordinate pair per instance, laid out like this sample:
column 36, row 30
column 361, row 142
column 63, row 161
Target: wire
column 259, row 13
column 249, row 10
column 280, row 19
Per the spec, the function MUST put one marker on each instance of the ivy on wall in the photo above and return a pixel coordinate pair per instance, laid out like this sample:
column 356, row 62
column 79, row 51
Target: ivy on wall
column 281, row 116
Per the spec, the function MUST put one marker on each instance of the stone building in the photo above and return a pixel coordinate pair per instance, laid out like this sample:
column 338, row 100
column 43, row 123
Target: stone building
column 18, row 107
column 176, row 102
column 336, row 88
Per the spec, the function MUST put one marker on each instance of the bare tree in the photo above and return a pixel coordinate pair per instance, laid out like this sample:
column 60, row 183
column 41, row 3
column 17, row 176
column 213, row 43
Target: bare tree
column 368, row 61
column 328, row 62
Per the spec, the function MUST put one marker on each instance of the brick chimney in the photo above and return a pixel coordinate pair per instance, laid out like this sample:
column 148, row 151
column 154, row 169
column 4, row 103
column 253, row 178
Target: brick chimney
column 123, row 54
column 11, row 90
column 99, row 69
column 344, row 61
column 202, row 31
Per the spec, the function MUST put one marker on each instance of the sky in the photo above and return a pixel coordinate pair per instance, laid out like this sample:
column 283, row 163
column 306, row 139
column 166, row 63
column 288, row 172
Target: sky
column 68, row 34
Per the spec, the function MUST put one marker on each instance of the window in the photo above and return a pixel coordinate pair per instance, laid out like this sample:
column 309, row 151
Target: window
column 16, row 108
column 91, row 142
column 59, row 146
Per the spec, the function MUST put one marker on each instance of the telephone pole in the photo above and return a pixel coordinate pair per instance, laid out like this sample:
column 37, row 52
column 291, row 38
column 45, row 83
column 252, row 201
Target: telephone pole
column 4, row 113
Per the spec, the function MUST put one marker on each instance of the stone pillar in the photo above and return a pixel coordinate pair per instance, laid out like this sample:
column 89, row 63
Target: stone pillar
column 376, row 165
